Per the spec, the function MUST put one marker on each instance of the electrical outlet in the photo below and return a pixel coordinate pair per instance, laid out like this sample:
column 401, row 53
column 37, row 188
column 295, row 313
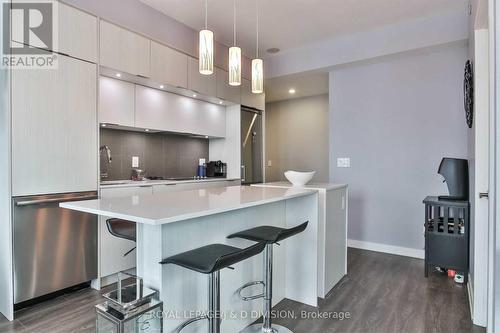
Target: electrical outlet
column 135, row 161
column 269, row 163
column 343, row 162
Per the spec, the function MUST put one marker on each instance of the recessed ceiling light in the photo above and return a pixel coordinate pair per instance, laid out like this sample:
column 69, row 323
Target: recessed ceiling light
column 291, row 91
column 118, row 75
column 273, row 50
column 162, row 86
column 194, row 95
column 220, row 102
column 103, row 125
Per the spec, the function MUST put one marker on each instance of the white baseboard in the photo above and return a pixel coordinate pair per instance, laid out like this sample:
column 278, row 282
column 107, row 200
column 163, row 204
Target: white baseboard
column 391, row 249
column 470, row 293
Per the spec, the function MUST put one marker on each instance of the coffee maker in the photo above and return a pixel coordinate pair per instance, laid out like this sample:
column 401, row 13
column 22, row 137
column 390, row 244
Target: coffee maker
column 216, row 169
column 455, row 172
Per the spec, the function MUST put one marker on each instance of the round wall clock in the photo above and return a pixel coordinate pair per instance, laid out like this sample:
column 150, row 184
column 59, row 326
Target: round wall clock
column 469, row 93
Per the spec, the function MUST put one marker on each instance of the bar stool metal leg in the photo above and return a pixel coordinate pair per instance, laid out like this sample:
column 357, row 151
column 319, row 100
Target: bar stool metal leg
column 267, row 326
column 214, row 317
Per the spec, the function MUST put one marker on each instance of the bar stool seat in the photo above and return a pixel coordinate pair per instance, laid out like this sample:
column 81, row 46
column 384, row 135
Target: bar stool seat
column 269, row 234
column 210, row 260
column 122, row 229
column 214, row 257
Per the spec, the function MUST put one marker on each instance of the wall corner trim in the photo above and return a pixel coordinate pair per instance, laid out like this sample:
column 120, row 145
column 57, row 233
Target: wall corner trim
column 470, row 294
column 384, row 248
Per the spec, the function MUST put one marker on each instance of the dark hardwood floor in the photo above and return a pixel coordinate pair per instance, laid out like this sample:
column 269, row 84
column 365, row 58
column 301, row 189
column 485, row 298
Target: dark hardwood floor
column 382, row 293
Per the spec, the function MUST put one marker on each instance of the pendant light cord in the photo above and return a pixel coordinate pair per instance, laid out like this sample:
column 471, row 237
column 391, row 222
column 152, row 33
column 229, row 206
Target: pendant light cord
column 257, row 42
column 234, row 23
column 206, row 14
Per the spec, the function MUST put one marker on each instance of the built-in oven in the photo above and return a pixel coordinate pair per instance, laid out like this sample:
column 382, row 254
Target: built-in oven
column 54, row 248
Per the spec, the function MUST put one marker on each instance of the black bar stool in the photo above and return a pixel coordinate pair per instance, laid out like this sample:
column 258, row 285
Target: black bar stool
column 122, row 229
column 210, row 260
column 270, row 235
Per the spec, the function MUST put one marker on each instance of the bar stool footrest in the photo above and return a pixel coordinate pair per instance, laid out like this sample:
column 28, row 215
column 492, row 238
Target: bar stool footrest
column 252, row 297
column 189, row 322
column 257, row 328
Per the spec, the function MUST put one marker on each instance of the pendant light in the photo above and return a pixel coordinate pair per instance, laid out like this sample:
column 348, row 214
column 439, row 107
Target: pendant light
column 234, row 56
column 206, row 46
column 257, row 63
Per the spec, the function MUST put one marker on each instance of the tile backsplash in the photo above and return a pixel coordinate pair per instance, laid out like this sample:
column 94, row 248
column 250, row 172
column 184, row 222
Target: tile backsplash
column 160, row 154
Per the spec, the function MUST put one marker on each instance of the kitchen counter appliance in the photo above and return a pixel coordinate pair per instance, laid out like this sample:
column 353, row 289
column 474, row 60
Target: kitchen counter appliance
column 54, row 248
column 216, row 169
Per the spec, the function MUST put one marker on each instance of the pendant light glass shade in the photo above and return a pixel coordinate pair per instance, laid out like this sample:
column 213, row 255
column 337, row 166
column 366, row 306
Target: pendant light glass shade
column 234, row 66
column 257, row 63
column 206, row 64
column 257, row 76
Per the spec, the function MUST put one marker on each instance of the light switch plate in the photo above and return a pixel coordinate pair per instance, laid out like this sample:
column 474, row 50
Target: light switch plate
column 135, row 161
column 343, row 162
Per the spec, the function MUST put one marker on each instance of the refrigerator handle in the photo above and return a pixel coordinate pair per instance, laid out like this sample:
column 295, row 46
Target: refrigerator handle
column 243, row 173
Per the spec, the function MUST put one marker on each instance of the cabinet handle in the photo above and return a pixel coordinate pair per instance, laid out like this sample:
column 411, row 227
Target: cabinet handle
column 484, row 195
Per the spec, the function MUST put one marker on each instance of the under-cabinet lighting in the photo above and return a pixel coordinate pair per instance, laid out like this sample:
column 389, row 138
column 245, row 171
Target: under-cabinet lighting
column 291, row 91
column 162, row 86
column 147, row 130
column 221, row 102
column 103, row 125
column 118, row 75
column 194, row 95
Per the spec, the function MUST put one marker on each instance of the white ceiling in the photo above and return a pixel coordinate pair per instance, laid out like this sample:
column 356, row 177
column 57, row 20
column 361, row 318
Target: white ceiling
column 288, row 24
column 304, row 84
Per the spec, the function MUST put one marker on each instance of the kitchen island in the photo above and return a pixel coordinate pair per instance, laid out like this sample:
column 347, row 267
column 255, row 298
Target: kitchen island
column 332, row 230
column 174, row 222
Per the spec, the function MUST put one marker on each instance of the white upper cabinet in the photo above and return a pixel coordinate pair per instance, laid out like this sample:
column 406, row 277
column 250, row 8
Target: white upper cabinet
column 124, row 50
column 160, row 110
column 204, row 84
column 54, row 133
column 168, row 65
column 116, row 102
column 257, row 101
column 224, row 90
column 77, row 33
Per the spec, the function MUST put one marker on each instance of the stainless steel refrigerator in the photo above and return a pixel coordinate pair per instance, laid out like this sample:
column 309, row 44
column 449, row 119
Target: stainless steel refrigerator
column 251, row 146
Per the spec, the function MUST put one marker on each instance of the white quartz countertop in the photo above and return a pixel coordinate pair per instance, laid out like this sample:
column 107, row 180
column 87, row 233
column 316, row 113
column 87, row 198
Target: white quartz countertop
column 168, row 207
column 133, row 183
column 310, row 186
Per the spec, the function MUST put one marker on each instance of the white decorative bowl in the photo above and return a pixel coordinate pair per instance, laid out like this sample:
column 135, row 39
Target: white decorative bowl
column 299, row 178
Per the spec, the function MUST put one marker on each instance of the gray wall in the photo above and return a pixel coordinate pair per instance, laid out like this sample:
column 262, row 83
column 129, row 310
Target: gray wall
column 297, row 137
column 165, row 155
column 396, row 118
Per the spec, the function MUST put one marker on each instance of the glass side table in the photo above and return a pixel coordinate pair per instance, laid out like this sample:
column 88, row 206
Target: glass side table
column 131, row 308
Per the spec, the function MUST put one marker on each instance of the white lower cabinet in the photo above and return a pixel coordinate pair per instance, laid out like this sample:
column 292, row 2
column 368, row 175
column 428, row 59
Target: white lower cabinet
column 111, row 248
